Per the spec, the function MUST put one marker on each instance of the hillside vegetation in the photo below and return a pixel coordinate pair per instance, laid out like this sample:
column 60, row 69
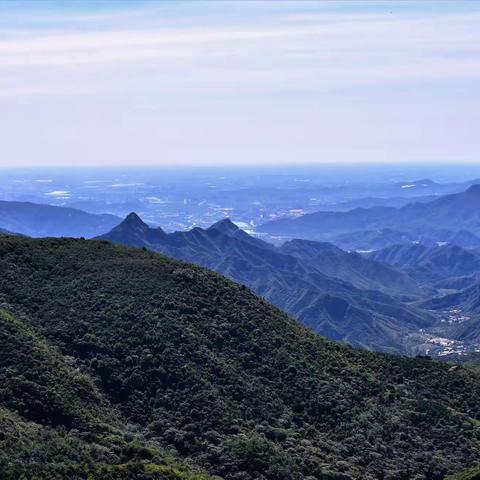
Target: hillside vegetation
column 55, row 423
column 470, row 474
column 128, row 364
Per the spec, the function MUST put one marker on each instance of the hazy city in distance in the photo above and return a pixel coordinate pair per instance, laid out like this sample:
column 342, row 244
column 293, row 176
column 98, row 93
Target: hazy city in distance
column 179, row 199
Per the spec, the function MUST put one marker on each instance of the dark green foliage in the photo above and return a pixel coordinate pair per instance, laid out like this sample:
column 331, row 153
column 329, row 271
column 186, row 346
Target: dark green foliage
column 98, row 471
column 470, row 474
column 34, row 452
column 38, row 382
column 471, row 360
column 200, row 366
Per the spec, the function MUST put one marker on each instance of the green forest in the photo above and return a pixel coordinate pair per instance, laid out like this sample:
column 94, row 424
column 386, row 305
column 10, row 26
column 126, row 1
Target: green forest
column 119, row 363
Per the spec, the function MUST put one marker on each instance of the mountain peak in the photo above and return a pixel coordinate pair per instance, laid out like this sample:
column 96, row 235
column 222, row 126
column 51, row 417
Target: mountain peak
column 133, row 219
column 225, row 226
column 132, row 215
column 133, row 231
column 132, row 222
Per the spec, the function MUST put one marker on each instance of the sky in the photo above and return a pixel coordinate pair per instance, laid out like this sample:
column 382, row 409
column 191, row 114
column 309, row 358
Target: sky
column 172, row 82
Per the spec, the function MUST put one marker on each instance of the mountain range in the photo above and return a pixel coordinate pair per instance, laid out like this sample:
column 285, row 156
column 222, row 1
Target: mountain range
column 368, row 240
column 441, row 264
column 41, row 220
column 377, row 300
column 120, row 363
column 342, row 295
column 348, row 195
column 438, row 220
column 453, row 275
column 369, row 202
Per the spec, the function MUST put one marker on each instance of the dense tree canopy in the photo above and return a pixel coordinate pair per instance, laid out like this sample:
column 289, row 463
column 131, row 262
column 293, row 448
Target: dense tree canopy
column 122, row 361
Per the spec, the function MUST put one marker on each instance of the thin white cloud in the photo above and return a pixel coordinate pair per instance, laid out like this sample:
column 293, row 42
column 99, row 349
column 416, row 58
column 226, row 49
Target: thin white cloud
column 296, row 81
column 315, row 49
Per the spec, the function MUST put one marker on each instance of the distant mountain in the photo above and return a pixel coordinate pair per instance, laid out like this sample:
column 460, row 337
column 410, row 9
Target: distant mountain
column 431, row 264
column 385, row 237
column 443, row 217
column 369, row 202
column 122, row 364
column 40, row 220
column 367, row 240
column 350, row 266
column 427, row 186
column 387, row 193
column 458, row 211
column 340, row 295
column 421, row 183
column 321, row 224
column 468, row 300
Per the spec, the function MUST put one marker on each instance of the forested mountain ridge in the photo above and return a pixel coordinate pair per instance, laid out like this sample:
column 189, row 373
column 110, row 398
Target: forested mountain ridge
column 201, row 367
column 338, row 294
column 55, row 423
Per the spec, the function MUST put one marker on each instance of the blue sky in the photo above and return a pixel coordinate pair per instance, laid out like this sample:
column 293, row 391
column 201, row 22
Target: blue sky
column 250, row 82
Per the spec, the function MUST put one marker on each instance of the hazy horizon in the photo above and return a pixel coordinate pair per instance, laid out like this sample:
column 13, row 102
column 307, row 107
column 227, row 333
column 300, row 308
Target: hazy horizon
column 217, row 83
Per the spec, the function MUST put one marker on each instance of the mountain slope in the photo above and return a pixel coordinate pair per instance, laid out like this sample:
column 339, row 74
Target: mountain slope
column 437, row 219
column 470, row 474
column 368, row 202
column 296, row 283
column 360, row 271
column 431, row 264
column 31, row 368
column 46, row 406
column 314, row 225
column 40, row 220
column 203, row 367
column 368, row 240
